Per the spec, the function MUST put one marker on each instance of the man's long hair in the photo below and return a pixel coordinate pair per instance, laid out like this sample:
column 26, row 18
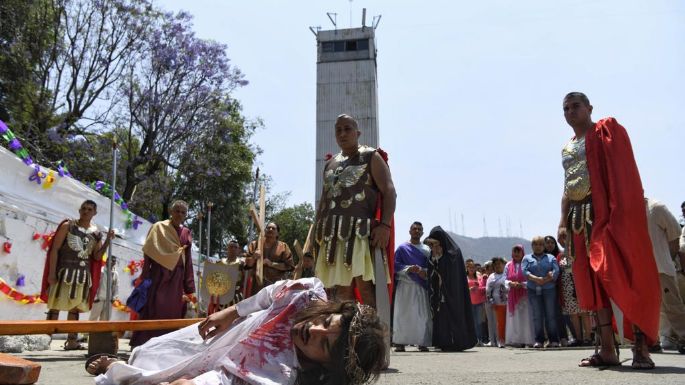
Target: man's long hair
column 370, row 346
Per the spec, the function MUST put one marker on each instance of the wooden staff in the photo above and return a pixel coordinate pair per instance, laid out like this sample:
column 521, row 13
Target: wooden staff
column 260, row 240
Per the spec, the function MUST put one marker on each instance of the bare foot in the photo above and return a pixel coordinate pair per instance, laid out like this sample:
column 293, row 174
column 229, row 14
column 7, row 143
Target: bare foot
column 99, row 364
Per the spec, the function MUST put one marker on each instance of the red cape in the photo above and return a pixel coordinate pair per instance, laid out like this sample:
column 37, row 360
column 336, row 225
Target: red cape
column 95, row 272
column 620, row 248
column 390, row 249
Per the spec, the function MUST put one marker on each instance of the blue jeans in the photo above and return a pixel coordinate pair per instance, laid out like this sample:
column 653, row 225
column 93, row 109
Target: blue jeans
column 544, row 307
column 478, row 320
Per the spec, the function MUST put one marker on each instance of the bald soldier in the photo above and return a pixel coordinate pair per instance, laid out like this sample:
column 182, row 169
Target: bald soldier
column 346, row 232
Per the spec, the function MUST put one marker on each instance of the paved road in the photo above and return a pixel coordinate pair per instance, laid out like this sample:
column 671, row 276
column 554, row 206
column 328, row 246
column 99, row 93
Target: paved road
column 476, row 366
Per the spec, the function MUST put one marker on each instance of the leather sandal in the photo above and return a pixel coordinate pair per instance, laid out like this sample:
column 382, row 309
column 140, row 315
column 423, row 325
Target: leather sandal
column 640, row 361
column 596, row 360
column 73, row 345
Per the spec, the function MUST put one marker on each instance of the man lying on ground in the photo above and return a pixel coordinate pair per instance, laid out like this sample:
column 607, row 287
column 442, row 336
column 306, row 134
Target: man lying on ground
column 287, row 333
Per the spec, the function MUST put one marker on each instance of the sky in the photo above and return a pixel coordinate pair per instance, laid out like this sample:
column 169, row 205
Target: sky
column 470, row 97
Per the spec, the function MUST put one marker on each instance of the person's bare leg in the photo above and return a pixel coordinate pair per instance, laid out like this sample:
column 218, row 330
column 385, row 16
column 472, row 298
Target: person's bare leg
column 367, row 290
column 72, row 342
column 53, row 315
column 641, row 358
column 606, row 332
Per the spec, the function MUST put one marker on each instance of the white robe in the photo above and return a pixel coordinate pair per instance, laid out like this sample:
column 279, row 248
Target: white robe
column 411, row 323
column 519, row 327
column 257, row 349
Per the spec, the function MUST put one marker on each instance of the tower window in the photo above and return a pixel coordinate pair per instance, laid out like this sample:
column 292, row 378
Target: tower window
column 328, row 46
column 345, row 45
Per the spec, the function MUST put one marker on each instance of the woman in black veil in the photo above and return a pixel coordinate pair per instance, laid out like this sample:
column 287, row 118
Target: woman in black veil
column 453, row 328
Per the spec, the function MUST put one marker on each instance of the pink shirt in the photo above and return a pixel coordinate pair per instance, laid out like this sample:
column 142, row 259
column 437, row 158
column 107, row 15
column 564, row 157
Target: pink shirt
column 477, row 295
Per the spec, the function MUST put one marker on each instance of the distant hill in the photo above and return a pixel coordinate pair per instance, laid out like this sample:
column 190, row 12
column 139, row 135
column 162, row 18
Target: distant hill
column 484, row 248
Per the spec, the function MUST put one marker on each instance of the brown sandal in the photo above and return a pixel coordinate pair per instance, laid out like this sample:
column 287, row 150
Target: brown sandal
column 596, row 361
column 73, row 345
column 640, row 362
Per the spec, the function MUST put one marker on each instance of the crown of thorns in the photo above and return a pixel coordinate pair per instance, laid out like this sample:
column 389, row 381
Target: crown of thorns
column 363, row 316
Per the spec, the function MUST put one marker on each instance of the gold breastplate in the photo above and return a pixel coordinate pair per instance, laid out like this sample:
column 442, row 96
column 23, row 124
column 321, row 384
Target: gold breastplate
column 576, row 174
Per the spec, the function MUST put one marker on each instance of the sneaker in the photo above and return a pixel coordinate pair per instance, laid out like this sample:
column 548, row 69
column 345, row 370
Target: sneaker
column 489, row 345
column 553, row 345
column 399, row 348
column 500, row 344
column 564, row 342
column 423, row 349
column 537, row 345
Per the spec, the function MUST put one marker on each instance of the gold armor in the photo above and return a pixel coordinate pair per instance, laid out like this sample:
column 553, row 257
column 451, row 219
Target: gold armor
column 349, row 203
column 576, row 175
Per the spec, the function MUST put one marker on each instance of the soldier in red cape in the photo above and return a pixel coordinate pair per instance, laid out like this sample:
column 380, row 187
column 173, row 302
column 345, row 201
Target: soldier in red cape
column 604, row 228
column 355, row 216
column 71, row 276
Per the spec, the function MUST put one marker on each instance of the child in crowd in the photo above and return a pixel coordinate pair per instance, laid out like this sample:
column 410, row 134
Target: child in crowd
column 496, row 293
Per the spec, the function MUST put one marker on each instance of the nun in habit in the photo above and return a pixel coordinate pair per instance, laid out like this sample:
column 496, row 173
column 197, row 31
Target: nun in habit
column 453, row 328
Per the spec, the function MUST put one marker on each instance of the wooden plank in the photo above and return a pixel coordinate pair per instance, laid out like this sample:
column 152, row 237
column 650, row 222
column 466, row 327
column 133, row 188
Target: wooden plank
column 52, row 327
column 255, row 219
column 308, row 240
column 18, row 371
column 300, row 254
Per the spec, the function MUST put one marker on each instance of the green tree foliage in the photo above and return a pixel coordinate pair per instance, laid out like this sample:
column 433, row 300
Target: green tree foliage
column 75, row 74
column 27, row 38
column 217, row 167
column 294, row 222
column 70, row 55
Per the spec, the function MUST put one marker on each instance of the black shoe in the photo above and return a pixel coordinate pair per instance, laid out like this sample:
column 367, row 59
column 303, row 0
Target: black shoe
column 656, row 348
column 399, row 348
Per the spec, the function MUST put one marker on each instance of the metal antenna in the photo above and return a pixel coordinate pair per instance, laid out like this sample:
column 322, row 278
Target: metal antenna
column 315, row 30
column 451, row 227
column 376, row 20
column 333, row 17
